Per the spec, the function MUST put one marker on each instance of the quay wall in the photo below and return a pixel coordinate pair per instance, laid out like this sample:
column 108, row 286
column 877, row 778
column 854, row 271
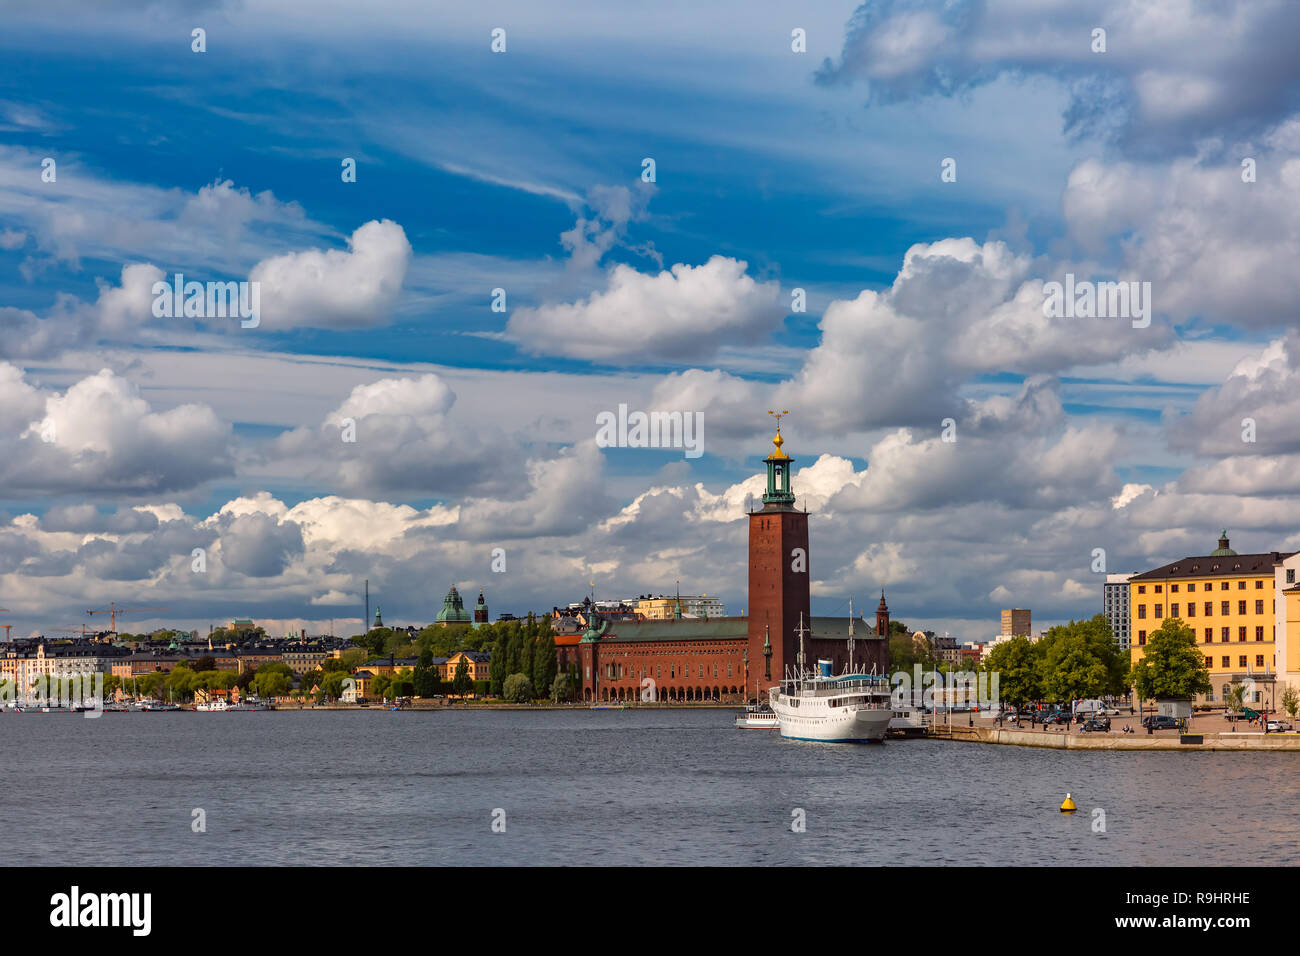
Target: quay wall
column 1056, row 740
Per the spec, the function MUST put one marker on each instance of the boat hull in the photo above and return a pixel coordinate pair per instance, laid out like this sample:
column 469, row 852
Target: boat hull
column 867, row 725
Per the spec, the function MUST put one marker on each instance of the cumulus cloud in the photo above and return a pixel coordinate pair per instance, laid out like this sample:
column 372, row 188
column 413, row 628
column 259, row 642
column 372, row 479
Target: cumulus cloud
column 399, row 435
column 1260, row 400
column 102, row 436
column 683, row 313
column 1170, row 75
column 331, row 288
column 1215, row 248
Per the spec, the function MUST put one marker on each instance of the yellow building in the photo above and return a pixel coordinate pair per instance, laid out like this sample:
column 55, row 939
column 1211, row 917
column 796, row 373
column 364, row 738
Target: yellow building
column 665, row 607
column 1228, row 600
column 476, row 662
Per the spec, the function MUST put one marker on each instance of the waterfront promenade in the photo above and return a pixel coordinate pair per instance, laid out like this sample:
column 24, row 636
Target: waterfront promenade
column 1216, row 733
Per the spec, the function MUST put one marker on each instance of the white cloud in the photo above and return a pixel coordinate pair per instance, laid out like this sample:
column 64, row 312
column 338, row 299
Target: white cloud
column 684, row 313
column 332, row 288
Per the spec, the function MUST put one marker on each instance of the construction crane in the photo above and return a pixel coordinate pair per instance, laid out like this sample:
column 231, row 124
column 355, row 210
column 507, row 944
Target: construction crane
column 113, row 611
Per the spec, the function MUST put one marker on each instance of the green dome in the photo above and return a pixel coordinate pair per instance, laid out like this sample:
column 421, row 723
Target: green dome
column 1223, row 551
column 453, row 609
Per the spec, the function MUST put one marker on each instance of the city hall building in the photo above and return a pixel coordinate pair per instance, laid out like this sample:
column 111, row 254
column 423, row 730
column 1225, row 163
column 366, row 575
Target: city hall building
column 730, row 658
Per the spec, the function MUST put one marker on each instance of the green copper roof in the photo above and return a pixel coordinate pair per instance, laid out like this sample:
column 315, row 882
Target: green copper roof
column 453, row 609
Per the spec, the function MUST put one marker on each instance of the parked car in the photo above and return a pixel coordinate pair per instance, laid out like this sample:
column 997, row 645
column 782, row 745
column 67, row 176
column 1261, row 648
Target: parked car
column 1278, row 726
column 1160, row 722
column 1057, row 717
column 1097, row 724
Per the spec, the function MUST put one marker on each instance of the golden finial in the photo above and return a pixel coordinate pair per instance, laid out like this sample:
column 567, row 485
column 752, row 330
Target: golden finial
column 778, row 441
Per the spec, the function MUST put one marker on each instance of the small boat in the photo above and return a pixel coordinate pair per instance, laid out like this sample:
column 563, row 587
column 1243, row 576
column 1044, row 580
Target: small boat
column 214, row 706
column 758, row 717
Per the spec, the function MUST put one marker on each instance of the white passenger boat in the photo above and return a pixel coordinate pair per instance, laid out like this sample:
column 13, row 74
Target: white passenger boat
column 854, row 707
column 220, row 705
column 757, row 717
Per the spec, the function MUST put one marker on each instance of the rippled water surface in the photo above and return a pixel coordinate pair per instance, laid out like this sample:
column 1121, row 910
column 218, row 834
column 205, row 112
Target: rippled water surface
column 606, row 787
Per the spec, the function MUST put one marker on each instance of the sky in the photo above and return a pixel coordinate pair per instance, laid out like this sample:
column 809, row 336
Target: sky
column 854, row 213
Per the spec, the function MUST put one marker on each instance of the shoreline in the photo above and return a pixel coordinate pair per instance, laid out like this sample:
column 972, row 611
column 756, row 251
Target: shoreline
column 1055, row 740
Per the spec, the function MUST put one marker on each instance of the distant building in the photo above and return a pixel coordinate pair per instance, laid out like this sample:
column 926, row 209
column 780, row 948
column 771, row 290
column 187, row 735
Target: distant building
column 666, row 607
column 476, row 663
column 480, row 611
column 1116, row 599
column 453, row 610
column 1015, row 622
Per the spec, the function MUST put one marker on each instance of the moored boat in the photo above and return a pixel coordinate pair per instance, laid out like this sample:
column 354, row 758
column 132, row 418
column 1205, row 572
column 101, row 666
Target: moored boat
column 853, row 707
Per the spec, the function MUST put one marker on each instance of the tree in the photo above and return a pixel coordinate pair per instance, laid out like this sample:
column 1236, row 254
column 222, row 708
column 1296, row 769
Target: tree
column 1017, row 666
column 403, row 683
column 461, row 684
column 544, row 666
column 1290, row 701
column 1171, row 665
column 519, row 688
column 425, row 679
column 332, row 684
column 206, row 663
column 381, row 686
column 1081, row 659
column 1232, row 701
column 906, row 651
column 497, row 667
column 562, row 688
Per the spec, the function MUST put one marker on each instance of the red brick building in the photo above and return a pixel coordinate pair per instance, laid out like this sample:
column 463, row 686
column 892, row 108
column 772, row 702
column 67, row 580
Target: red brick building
column 728, row 659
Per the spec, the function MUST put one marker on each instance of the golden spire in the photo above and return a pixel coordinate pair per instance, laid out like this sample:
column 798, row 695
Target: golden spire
column 778, row 441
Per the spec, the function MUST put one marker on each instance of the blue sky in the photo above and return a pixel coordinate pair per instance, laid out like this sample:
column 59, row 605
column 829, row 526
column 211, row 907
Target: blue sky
column 816, row 170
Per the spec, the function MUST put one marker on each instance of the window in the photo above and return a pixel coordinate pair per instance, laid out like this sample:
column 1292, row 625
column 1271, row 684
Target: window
column 1209, row 635
column 1209, row 662
column 1241, row 661
column 1209, row 608
column 1259, row 607
column 1142, row 589
column 1173, row 588
column 1173, row 610
column 1227, row 661
column 1223, row 585
column 1290, row 575
column 1259, row 584
column 1159, row 588
column 1191, row 609
column 1160, row 611
column 1142, row 612
column 1241, row 635
column 1259, row 633
column 1259, row 660
column 1191, row 587
column 1241, row 585
column 1223, row 608
column 1223, row 635
column 1241, row 607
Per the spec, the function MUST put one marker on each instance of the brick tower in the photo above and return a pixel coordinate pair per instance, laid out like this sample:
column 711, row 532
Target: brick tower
column 778, row 573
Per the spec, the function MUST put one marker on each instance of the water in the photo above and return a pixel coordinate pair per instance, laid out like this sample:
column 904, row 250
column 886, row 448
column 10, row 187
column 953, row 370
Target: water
column 609, row 787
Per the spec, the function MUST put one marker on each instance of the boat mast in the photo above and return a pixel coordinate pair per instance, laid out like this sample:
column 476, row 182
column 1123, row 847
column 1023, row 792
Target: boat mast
column 801, row 632
column 850, row 670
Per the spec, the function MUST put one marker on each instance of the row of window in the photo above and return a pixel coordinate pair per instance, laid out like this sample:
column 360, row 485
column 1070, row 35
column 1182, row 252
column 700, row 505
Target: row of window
column 1223, row 585
column 1225, row 608
column 1241, row 661
column 616, row 671
column 1224, row 635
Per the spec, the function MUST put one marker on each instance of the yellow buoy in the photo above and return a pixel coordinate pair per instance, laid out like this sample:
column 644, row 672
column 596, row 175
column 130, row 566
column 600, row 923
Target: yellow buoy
column 1068, row 806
